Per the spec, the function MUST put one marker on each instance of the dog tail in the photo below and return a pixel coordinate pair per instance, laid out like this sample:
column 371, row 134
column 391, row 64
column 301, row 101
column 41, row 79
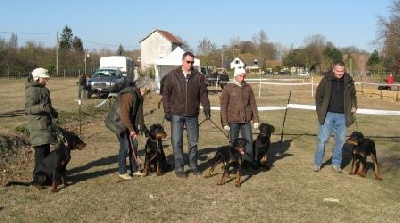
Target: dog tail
column 18, row 183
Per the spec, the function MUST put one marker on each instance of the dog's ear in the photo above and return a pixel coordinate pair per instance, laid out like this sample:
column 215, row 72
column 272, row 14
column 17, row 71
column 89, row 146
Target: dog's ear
column 272, row 128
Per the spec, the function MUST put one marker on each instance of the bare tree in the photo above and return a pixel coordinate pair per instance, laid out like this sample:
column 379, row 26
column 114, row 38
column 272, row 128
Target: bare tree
column 389, row 37
column 205, row 48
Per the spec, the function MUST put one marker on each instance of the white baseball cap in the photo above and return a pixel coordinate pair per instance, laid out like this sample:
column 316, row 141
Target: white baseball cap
column 40, row 72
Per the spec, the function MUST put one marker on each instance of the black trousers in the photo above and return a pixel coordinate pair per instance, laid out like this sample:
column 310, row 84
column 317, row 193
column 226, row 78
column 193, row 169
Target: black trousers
column 41, row 152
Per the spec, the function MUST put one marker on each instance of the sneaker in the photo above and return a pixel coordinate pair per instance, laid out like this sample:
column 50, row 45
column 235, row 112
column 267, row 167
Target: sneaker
column 125, row 176
column 138, row 173
column 317, row 168
column 196, row 172
column 180, row 174
column 337, row 168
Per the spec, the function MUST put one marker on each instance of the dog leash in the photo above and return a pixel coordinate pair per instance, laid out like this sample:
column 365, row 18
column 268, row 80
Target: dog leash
column 133, row 151
column 355, row 120
column 223, row 132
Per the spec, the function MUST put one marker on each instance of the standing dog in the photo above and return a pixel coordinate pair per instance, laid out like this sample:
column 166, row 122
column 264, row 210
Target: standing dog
column 262, row 144
column 228, row 156
column 154, row 151
column 54, row 167
column 362, row 147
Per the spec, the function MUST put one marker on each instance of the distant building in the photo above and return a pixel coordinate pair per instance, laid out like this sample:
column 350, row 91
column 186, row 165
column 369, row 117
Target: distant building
column 157, row 44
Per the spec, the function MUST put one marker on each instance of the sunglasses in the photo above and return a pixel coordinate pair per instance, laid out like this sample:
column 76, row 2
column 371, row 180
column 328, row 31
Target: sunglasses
column 189, row 61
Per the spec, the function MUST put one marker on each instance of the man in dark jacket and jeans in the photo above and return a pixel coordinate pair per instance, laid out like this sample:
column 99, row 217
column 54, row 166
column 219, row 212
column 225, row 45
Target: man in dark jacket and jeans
column 184, row 90
column 336, row 102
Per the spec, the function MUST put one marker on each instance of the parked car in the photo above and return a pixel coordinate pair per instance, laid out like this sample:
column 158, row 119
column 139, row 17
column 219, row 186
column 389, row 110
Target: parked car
column 284, row 72
column 304, row 73
column 105, row 81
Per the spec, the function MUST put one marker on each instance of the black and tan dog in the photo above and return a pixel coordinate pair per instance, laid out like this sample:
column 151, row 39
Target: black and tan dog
column 53, row 168
column 362, row 147
column 154, row 151
column 262, row 143
column 229, row 156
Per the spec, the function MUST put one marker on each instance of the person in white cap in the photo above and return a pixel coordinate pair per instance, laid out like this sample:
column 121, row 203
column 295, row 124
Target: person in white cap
column 238, row 109
column 40, row 114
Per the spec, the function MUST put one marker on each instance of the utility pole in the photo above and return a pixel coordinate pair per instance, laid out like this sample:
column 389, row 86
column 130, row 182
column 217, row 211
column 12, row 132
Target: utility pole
column 84, row 59
column 57, row 54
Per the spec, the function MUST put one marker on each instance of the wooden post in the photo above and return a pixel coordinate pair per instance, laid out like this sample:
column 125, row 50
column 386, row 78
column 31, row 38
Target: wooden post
column 284, row 117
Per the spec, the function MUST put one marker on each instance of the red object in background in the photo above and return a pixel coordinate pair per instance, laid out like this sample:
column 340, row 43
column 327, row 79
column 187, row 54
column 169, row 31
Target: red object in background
column 390, row 79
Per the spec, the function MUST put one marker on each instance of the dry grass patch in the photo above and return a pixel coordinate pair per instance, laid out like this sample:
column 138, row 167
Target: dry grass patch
column 289, row 192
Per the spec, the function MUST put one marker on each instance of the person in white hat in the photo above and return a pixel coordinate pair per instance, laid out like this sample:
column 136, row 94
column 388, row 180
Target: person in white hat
column 238, row 109
column 40, row 114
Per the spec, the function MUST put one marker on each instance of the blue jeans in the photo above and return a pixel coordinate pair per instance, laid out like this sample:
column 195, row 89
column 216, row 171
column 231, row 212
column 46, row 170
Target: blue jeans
column 336, row 123
column 192, row 129
column 125, row 149
column 246, row 133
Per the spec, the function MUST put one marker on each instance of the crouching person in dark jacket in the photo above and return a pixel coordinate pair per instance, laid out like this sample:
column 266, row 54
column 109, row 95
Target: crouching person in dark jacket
column 126, row 120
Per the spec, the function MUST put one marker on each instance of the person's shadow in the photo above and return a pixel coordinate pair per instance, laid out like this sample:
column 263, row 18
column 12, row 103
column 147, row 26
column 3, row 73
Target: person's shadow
column 77, row 174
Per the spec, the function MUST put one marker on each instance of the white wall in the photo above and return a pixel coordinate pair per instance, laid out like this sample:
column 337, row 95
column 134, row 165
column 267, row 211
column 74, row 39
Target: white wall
column 150, row 49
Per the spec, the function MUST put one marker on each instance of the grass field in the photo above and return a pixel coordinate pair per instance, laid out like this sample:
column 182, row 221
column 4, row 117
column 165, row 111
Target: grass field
column 289, row 192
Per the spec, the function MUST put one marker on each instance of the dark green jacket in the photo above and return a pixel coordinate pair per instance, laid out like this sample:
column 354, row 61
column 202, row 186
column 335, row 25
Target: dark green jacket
column 39, row 121
column 323, row 96
column 113, row 120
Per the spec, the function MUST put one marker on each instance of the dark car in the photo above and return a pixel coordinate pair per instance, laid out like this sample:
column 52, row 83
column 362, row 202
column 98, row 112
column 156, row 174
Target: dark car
column 105, row 81
column 284, row 72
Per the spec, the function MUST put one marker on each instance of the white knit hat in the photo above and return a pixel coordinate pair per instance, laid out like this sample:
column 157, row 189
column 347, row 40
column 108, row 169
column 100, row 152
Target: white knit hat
column 40, row 72
column 239, row 70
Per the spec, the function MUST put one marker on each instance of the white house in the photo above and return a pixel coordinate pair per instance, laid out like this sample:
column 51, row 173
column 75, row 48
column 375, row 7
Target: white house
column 164, row 65
column 158, row 44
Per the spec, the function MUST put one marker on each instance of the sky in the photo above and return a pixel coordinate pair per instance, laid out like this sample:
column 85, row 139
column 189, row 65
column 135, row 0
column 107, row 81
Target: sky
column 107, row 24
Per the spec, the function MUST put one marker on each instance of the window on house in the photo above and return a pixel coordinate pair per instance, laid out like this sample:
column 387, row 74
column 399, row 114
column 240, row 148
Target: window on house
column 161, row 48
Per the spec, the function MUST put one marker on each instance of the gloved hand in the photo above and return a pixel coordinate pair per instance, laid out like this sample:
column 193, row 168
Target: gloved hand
column 353, row 110
column 207, row 113
column 167, row 116
column 256, row 125
column 46, row 108
column 227, row 128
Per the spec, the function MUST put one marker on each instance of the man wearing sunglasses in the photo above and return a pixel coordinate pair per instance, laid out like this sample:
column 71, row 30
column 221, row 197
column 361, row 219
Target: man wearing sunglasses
column 184, row 89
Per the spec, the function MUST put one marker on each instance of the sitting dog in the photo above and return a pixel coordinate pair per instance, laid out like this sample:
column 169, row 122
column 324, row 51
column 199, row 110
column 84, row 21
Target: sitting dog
column 228, row 156
column 262, row 143
column 53, row 168
column 362, row 147
column 154, row 151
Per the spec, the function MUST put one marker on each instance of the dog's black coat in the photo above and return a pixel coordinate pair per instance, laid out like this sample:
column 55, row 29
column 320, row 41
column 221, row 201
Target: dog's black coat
column 53, row 168
column 262, row 143
column 154, row 151
column 229, row 156
column 361, row 148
